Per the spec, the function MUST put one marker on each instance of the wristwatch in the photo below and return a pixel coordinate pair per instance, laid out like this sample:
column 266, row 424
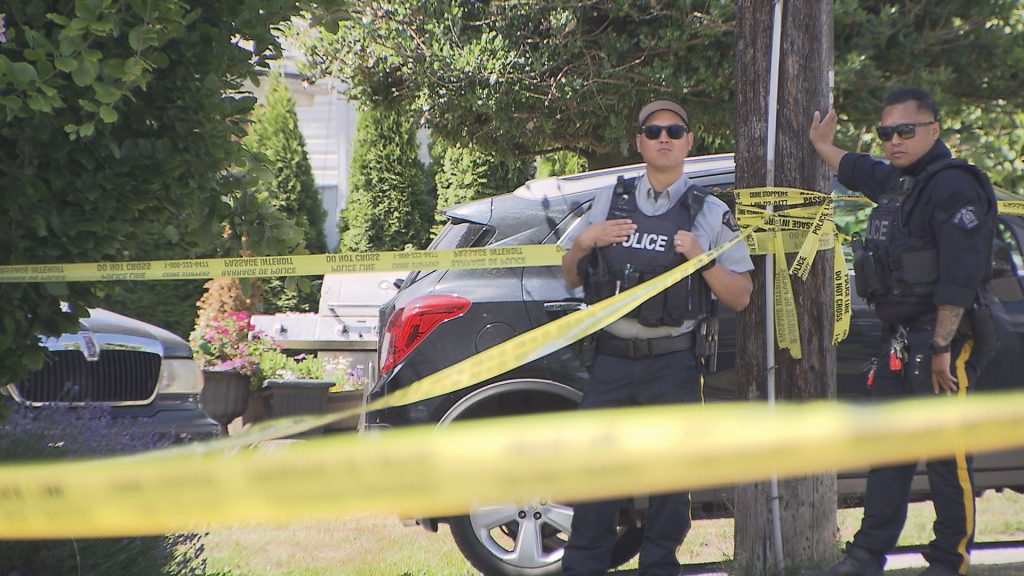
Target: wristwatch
column 711, row 264
column 937, row 348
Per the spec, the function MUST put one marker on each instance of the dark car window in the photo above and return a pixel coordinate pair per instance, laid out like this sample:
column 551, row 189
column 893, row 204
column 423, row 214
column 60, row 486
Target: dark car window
column 1007, row 265
column 455, row 234
column 569, row 228
column 462, row 235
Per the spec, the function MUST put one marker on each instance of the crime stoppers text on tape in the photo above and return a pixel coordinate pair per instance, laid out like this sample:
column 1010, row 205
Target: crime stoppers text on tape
column 300, row 265
column 777, row 196
column 431, row 472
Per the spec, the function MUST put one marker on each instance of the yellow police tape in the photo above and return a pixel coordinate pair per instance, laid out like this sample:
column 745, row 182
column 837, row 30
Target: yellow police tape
column 27, row 505
column 428, row 472
column 821, row 225
column 801, row 221
column 787, row 330
column 1010, row 208
column 299, row 265
column 843, row 307
column 567, row 330
column 544, row 340
column 751, row 203
column 494, row 361
column 562, row 332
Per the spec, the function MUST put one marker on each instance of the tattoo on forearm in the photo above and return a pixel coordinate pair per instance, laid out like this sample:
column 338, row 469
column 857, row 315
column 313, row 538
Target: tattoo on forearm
column 947, row 322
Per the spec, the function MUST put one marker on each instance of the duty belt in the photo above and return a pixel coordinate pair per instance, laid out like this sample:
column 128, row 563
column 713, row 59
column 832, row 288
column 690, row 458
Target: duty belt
column 642, row 347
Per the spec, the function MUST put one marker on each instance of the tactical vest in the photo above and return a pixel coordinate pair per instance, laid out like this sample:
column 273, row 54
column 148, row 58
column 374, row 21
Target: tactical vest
column 649, row 252
column 896, row 266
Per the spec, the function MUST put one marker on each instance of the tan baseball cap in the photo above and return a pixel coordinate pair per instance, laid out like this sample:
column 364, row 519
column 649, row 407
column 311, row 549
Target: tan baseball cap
column 662, row 104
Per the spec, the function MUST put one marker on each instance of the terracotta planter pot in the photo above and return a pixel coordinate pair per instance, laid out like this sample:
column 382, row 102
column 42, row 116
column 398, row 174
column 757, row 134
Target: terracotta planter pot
column 224, row 397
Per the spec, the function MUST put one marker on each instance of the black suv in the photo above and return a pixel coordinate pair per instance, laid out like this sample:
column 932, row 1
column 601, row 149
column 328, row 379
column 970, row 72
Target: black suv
column 441, row 317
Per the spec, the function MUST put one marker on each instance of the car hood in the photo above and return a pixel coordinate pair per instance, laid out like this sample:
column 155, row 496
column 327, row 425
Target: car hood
column 102, row 321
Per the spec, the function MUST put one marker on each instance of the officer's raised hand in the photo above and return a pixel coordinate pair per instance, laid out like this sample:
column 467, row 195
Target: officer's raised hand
column 604, row 234
column 594, row 236
column 821, row 135
column 823, row 128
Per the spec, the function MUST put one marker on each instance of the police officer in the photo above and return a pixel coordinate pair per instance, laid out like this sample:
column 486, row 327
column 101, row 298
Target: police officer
column 924, row 267
column 632, row 233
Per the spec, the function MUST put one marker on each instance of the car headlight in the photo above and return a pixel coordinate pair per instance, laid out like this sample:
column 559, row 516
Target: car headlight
column 180, row 376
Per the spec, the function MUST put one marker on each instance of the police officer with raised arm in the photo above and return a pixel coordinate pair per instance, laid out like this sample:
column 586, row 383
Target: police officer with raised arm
column 923, row 265
column 634, row 232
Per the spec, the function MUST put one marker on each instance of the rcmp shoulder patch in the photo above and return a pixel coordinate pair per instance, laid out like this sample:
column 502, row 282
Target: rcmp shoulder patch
column 965, row 218
column 729, row 221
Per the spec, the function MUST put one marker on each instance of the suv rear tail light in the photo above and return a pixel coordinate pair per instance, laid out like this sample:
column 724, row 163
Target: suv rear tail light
column 410, row 324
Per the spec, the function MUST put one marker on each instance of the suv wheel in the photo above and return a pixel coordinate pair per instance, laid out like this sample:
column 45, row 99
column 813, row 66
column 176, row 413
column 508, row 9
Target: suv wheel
column 527, row 540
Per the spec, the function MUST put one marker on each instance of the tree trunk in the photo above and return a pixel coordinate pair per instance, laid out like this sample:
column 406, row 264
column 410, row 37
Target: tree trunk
column 807, row 504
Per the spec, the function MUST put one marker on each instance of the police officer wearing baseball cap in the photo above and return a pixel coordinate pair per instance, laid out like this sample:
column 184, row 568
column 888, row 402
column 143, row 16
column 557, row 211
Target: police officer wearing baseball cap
column 924, row 266
column 633, row 232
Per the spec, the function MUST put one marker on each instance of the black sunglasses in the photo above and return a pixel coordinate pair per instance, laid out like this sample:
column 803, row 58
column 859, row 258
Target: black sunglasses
column 906, row 131
column 653, row 131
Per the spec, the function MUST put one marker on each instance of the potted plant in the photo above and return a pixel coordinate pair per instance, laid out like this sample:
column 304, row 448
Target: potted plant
column 347, row 392
column 294, row 386
column 229, row 351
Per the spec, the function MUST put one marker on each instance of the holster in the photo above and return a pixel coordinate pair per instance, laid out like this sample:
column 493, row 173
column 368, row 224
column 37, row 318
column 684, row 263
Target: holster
column 586, row 350
column 598, row 281
column 869, row 278
column 706, row 345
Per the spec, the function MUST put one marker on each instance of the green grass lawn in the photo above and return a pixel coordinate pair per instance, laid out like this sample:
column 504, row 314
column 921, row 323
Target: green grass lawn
column 378, row 545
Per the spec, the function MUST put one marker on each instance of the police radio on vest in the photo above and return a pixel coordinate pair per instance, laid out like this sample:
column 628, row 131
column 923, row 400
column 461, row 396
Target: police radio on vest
column 646, row 241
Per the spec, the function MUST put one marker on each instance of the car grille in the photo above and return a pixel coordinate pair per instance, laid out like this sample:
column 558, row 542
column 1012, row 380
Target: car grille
column 117, row 377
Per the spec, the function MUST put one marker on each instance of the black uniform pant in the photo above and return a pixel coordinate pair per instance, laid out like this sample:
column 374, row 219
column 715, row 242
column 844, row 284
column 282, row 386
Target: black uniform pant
column 667, row 379
column 951, row 480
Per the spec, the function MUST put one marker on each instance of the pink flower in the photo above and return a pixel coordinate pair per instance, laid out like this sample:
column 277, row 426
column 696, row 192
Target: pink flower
column 229, row 342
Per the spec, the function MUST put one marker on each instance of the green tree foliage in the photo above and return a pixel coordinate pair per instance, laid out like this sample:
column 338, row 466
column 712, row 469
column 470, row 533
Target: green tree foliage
column 120, row 123
column 528, row 77
column 560, row 163
column 386, row 199
column 968, row 54
column 465, row 173
column 274, row 137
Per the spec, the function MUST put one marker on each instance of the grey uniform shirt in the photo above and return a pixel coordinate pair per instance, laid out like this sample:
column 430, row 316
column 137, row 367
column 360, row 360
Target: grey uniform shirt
column 709, row 228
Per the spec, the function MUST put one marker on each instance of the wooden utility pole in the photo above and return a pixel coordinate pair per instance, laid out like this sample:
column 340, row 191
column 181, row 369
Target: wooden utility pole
column 807, row 504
